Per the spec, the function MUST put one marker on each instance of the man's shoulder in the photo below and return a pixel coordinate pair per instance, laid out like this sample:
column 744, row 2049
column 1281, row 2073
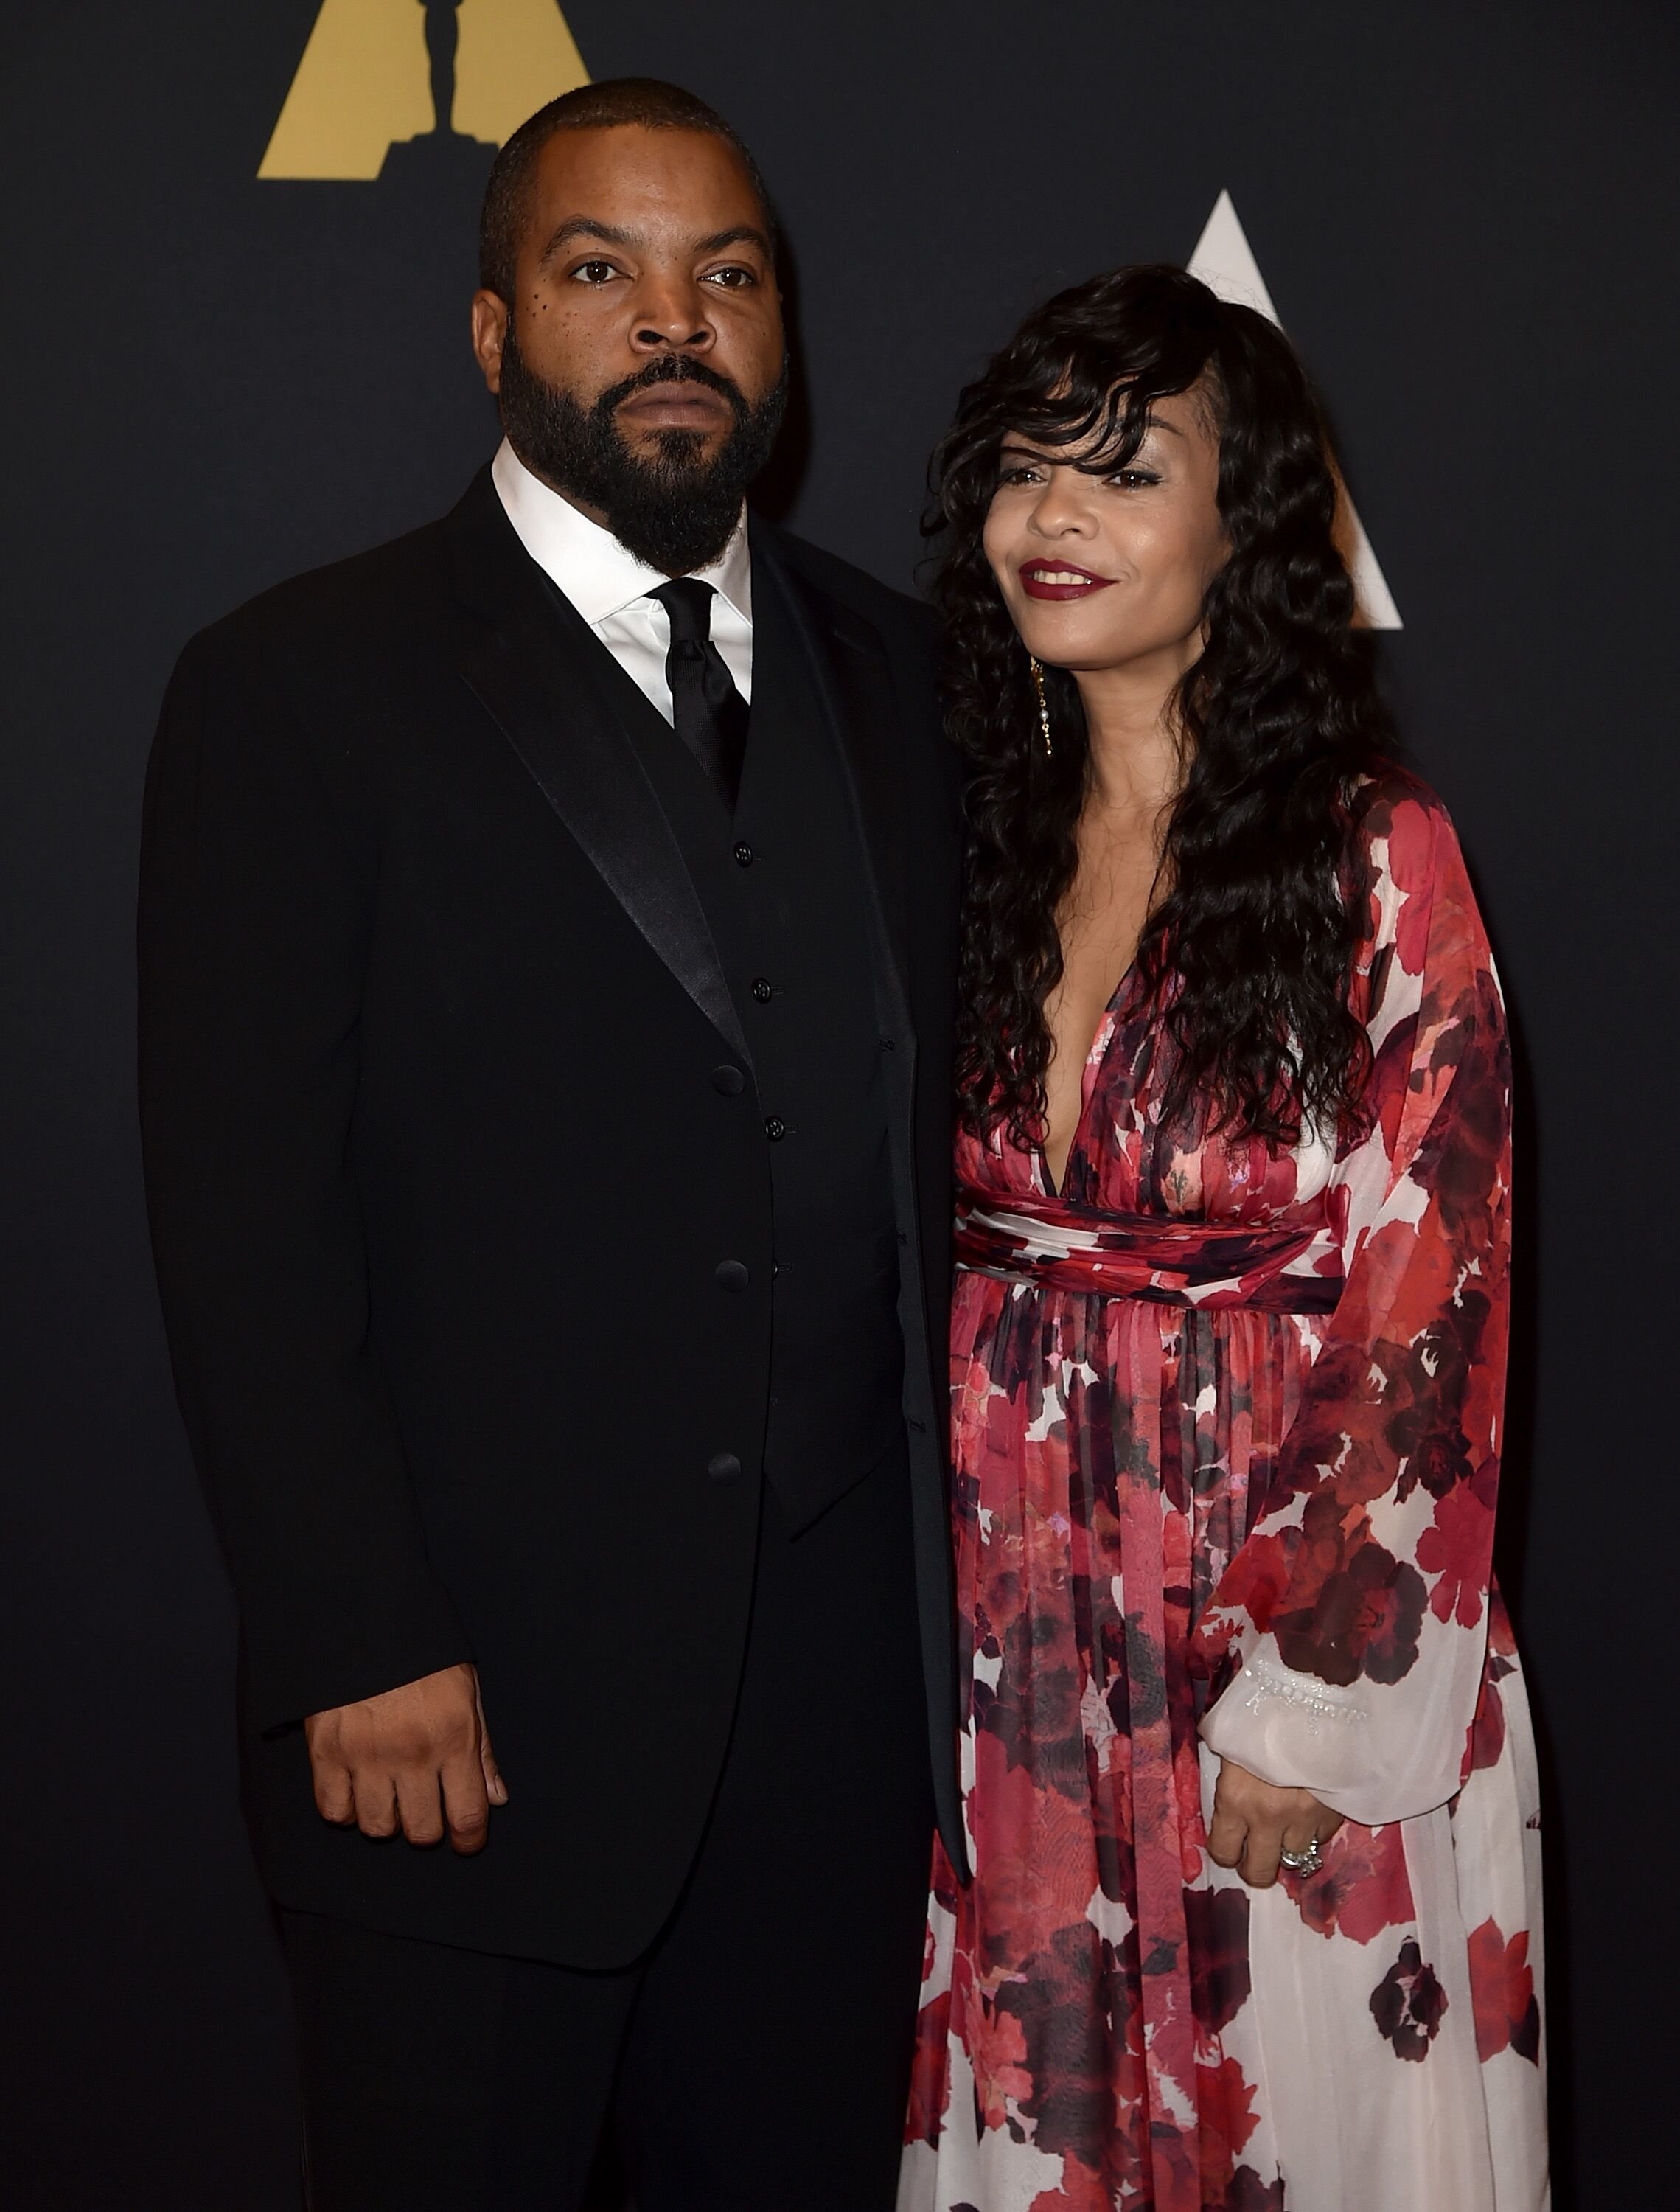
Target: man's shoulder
column 898, row 615
column 367, row 603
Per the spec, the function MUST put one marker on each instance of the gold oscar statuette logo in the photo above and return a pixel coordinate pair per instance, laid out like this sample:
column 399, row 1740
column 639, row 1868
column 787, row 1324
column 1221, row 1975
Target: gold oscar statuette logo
column 382, row 73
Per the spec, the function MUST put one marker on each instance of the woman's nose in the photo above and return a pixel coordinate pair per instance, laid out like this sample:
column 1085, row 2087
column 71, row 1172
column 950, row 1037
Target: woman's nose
column 1064, row 509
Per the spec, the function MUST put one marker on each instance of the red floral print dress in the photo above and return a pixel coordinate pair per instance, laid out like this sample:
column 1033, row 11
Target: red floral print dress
column 1227, row 1429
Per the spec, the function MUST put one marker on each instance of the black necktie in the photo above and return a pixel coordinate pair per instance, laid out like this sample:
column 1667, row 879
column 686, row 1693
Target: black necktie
column 708, row 712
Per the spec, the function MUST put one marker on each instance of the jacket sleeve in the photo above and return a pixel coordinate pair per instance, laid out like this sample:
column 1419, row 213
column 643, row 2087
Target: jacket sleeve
column 253, row 929
column 1355, row 1616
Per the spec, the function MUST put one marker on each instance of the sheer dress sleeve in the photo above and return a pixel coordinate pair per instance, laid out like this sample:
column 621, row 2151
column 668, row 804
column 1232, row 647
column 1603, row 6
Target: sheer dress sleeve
column 1351, row 1624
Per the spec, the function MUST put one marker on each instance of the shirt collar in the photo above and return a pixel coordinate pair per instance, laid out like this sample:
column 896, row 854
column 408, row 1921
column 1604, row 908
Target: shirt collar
column 598, row 574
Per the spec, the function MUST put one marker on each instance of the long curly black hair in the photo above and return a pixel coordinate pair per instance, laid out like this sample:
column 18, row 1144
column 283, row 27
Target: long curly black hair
column 1248, row 952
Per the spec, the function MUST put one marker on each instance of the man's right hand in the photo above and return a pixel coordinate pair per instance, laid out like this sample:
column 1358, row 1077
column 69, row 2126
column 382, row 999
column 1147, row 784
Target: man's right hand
column 418, row 1758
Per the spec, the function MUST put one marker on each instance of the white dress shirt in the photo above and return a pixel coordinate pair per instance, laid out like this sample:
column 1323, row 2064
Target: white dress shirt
column 609, row 586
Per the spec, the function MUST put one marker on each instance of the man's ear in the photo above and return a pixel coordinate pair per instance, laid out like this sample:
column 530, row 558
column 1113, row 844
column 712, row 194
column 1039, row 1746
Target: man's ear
column 490, row 335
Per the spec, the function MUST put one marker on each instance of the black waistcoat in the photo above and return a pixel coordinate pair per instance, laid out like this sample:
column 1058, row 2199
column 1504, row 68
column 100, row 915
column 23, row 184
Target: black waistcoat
column 784, row 890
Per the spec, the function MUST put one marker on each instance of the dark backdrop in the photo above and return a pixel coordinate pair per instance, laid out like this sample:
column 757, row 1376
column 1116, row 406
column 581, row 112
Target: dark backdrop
column 1466, row 215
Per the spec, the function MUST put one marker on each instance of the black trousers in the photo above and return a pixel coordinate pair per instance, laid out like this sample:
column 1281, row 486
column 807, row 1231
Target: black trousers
column 756, row 2058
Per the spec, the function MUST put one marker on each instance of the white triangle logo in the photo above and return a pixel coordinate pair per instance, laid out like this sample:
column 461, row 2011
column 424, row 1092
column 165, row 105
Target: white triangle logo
column 1225, row 262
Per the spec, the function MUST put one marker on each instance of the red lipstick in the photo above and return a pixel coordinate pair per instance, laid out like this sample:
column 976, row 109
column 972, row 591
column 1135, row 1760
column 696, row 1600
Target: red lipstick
column 1059, row 579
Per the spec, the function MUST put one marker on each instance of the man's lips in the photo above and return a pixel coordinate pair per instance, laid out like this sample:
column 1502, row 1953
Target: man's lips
column 675, row 407
column 1060, row 579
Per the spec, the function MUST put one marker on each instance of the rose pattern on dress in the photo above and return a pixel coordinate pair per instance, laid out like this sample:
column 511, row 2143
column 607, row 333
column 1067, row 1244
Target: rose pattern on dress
column 1508, row 2011
column 1408, row 2004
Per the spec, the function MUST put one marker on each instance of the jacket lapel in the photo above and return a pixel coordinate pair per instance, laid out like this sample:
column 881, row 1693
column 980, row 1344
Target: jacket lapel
column 854, row 682
column 531, row 668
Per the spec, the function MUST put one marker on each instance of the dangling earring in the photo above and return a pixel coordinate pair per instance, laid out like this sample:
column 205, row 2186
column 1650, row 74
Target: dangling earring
column 1044, row 706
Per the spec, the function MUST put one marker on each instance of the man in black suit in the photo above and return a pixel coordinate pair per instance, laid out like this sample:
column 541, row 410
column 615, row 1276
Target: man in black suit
column 547, row 944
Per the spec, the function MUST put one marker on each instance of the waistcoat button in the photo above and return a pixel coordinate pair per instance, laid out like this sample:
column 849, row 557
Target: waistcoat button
column 728, row 1080
column 722, row 1467
column 732, row 1273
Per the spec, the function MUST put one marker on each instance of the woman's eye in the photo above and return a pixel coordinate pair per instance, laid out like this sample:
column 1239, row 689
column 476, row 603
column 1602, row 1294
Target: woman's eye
column 1022, row 472
column 594, row 272
column 1133, row 479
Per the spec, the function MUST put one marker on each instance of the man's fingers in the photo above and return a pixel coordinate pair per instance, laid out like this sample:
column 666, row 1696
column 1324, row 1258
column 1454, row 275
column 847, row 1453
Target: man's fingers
column 335, row 1794
column 376, row 1801
column 417, row 1804
column 418, row 1757
column 1225, row 1832
column 466, row 1801
column 493, row 1784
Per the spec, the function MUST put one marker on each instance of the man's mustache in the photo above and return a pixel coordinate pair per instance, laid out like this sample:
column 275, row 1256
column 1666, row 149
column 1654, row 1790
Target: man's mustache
column 673, row 368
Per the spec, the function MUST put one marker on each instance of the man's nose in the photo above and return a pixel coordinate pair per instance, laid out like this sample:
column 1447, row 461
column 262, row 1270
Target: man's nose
column 670, row 317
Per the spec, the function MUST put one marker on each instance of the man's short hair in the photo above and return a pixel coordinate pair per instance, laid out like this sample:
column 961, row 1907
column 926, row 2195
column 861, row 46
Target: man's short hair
column 645, row 101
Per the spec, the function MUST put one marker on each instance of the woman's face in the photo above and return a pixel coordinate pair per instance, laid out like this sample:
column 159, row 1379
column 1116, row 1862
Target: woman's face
column 1103, row 572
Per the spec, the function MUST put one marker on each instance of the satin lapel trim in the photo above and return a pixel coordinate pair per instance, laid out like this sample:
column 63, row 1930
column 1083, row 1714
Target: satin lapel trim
column 855, row 684
column 584, row 765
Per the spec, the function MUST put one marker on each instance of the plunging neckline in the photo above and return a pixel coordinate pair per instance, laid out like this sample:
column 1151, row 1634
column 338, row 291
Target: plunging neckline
column 1089, row 1068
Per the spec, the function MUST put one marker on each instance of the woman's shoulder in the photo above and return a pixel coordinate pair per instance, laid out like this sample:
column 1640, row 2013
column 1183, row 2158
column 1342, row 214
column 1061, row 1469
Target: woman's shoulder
column 1417, row 885
column 1390, row 798
column 1402, row 829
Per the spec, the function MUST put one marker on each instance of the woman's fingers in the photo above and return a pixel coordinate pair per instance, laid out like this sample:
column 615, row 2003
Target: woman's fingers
column 1226, row 1834
column 1299, row 1834
column 1254, row 1822
column 1260, row 1855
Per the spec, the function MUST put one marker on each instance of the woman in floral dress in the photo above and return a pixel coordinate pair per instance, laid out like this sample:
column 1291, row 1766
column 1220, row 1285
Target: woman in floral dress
column 1254, row 1917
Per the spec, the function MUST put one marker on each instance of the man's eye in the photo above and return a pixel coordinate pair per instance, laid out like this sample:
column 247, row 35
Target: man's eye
column 734, row 279
column 594, row 272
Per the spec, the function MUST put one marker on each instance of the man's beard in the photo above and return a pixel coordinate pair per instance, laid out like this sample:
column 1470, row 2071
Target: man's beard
column 672, row 508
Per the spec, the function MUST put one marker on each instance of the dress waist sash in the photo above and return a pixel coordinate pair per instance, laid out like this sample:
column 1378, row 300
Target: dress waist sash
column 1293, row 1267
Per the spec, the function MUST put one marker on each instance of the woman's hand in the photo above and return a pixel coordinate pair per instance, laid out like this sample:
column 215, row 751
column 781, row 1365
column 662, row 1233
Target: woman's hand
column 1252, row 1823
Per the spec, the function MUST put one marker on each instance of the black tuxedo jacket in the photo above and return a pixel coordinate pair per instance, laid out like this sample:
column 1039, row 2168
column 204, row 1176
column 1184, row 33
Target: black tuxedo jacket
column 448, row 1115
